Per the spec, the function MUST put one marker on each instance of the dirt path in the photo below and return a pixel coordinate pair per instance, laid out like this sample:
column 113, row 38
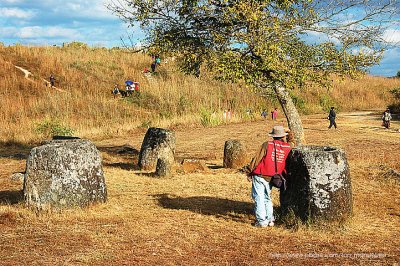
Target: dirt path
column 27, row 73
column 208, row 143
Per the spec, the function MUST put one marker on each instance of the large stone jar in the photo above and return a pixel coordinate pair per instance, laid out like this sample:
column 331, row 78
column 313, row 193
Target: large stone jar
column 63, row 174
column 318, row 184
column 235, row 155
column 158, row 143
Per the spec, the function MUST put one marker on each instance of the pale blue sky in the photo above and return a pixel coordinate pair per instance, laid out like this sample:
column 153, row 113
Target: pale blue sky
column 49, row 22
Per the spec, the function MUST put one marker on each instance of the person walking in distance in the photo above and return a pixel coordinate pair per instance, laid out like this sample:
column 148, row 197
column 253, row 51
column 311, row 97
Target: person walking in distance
column 269, row 160
column 386, row 117
column 52, row 80
column 332, row 118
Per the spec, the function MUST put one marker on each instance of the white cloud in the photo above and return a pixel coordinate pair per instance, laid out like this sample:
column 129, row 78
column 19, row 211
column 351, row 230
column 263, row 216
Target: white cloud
column 47, row 32
column 392, row 36
column 6, row 32
column 10, row 1
column 16, row 13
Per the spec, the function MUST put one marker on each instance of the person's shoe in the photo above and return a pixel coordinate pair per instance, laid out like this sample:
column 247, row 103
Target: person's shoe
column 257, row 224
column 271, row 224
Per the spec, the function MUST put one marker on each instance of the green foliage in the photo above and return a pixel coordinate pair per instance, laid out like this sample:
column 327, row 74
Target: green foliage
column 299, row 103
column 76, row 45
column 395, row 106
column 145, row 124
column 398, row 74
column 49, row 128
column 396, row 93
column 326, row 102
column 209, row 118
column 145, row 100
column 248, row 41
column 183, row 105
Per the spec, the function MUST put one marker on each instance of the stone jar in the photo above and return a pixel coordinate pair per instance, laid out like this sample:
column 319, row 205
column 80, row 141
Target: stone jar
column 63, row 174
column 318, row 184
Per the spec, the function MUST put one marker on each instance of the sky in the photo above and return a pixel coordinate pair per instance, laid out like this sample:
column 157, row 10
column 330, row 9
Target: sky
column 53, row 22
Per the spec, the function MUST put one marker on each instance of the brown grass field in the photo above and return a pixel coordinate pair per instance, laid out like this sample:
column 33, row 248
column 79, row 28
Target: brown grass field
column 205, row 218
column 86, row 76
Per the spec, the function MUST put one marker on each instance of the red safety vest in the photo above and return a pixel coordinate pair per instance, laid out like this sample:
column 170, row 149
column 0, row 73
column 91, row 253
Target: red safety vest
column 267, row 165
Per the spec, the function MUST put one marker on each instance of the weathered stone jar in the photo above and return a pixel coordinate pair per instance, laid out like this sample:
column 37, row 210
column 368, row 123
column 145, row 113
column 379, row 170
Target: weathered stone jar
column 157, row 143
column 63, row 174
column 235, row 155
column 318, row 184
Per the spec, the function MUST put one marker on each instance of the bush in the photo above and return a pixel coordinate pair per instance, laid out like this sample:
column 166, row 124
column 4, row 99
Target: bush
column 208, row 118
column 395, row 107
column 145, row 100
column 76, row 45
column 50, row 128
column 326, row 102
column 299, row 103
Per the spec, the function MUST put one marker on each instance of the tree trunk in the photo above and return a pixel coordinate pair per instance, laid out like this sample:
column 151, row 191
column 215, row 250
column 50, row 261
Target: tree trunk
column 292, row 116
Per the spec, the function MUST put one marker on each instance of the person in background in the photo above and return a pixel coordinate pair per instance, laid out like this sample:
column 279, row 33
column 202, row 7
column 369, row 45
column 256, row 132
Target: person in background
column 153, row 67
column 52, row 80
column 115, row 91
column 128, row 90
column 158, row 60
column 136, row 86
column 332, row 118
column 262, row 167
column 264, row 114
column 386, row 117
column 274, row 114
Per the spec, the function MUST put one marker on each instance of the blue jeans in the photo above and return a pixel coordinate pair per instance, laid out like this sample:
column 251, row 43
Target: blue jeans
column 261, row 193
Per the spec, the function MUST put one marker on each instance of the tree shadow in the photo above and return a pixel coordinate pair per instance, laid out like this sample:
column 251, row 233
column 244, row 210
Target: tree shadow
column 316, row 129
column 119, row 150
column 214, row 166
column 221, row 208
column 14, row 150
column 11, row 196
column 124, row 166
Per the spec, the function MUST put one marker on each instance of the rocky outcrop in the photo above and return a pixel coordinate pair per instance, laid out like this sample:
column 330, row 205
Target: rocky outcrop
column 318, row 184
column 235, row 155
column 63, row 174
column 157, row 143
column 193, row 165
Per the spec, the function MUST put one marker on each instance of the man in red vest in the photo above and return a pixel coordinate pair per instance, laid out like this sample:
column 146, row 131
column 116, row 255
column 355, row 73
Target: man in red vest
column 261, row 169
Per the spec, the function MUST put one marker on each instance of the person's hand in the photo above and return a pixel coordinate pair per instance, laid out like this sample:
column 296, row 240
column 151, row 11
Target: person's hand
column 249, row 178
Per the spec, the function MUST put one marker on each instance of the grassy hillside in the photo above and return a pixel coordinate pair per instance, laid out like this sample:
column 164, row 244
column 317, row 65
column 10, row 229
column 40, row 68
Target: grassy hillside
column 84, row 104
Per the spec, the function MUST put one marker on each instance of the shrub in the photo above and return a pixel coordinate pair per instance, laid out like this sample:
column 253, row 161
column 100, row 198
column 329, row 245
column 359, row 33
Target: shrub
column 75, row 45
column 145, row 100
column 183, row 105
column 326, row 102
column 208, row 118
column 299, row 103
column 50, row 128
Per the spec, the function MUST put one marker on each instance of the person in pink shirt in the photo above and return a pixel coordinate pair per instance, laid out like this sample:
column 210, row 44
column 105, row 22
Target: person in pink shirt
column 274, row 114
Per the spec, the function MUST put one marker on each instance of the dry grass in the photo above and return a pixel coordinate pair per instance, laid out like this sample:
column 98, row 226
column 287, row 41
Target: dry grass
column 87, row 75
column 205, row 218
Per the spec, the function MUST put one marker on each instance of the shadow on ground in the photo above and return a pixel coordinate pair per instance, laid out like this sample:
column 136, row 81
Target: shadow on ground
column 124, row 166
column 14, row 150
column 11, row 196
column 222, row 208
column 119, row 150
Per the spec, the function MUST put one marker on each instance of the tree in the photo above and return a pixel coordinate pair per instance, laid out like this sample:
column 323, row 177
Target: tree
column 398, row 74
column 265, row 43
